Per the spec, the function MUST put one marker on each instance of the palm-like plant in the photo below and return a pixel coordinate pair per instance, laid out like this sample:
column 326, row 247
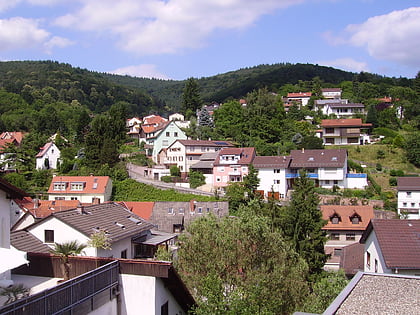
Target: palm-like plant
column 65, row 250
column 14, row 293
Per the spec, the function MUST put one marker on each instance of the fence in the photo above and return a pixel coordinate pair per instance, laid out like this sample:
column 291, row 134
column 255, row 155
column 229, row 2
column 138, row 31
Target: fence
column 76, row 296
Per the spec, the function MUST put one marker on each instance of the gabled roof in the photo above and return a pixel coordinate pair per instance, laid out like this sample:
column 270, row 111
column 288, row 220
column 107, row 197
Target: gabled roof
column 143, row 209
column 26, row 242
column 12, row 191
column 43, row 208
column 352, row 258
column 44, row 149
column 271, row 161
column 116, row 220
column 347, row 105
column 408, row 183
column 92, row 184
column 246, row 155
column 153, row 120
column 299, row 95
column 8, row 137
column 399, row 241
column 318, row 158
column 346, row 213
column 351, row 122
column 207, row 143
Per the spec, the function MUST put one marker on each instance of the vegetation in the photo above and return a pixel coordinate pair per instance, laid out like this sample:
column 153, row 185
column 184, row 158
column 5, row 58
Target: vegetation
column 196, row 179
column 14, row 292
column 65, row 250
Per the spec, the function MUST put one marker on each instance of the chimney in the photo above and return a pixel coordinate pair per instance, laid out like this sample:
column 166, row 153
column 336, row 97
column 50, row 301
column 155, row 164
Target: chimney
column 80, row 209
column 303, row 150
column 36, row 203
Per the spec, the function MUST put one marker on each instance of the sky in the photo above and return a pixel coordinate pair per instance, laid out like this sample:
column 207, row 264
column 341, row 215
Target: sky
column 179, row 39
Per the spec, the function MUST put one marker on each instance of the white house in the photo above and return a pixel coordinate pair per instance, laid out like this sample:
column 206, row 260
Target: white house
column 48, row 157
column 86, row 189
column 168, row 135
column 343, row 131
column 331, row 93
column 409, row 197
column 125, row 230
column 392, row 246
column 272, row 175
column 340, row 110
column 301, row 98
column 185, row 153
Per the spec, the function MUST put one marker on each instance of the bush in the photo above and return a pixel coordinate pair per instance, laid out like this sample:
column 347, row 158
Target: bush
column 196, row 179
column 397, row 173
column 389, row 133
column 392, row 181
column 378, row 167
column 174, row 170
column 380, row 154
column 166, row 179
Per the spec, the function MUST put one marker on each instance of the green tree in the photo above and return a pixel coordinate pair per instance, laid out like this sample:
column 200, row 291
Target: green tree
column 251, row 181
column 372, row 116
column 196, row 179
column 302, row 223
column 191, row 99
column 412, row 149
column 65, row 250
column 237, row 265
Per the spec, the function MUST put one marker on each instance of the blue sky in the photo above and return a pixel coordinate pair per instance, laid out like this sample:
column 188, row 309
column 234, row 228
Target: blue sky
column 178, row 39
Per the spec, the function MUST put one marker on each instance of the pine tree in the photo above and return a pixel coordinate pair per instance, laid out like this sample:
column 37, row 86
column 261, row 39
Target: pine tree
column 191, row 100
column 302, row 224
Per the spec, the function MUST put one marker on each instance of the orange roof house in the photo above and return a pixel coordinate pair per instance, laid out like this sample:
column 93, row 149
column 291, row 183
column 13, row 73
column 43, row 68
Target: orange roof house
column 8, row 137
column 143, row 209
column 86, row 189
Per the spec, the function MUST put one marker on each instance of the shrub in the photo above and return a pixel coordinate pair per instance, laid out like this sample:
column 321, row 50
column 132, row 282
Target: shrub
column 196, row 179
column 380, row 154
column 389, row 133
column 174, row 170
column 166, row 179
column 392, row 181
column 378, row 167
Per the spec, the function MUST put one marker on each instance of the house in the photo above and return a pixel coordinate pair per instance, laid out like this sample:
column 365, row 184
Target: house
column 150, row 128
column 301, row 98
column 369, row 293
column 168, row 135
column 351, row 259
column 345, row 226
column 340, row 110
column 179, row 120
column 48, row 157
column 184, row 153
column 328, row 168
column 9, row 258
column 86, row 189
column 272, row 175
column 7, row 139
column 205, row 166
column 321, row 104
column 392, row 246
column 134, row 126
column 331, row 93
column 130, row 235
column 231, row 165
column 409, row 197
column 343, row 131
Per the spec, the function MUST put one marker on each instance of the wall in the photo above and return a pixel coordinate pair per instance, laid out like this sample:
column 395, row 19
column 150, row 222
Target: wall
column 372, row 246
column 409, row 200
column 267, row 177
column 4, row 220
column 145, row 295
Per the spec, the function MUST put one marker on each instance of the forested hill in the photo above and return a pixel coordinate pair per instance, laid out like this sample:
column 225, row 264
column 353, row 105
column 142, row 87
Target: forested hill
column 237, row 84
column 47, row 82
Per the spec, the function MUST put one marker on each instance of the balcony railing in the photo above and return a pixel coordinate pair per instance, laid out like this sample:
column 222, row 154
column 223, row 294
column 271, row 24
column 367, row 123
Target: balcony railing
column 361, row 175
column 76, row 296
column 295, row 175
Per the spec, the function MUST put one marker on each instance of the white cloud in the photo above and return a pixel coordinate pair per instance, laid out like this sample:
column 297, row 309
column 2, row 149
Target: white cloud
column 347, row 64
column 8, row 4
column 18, row 33
column 155, row 26
column 141, row 71
column 393, row 37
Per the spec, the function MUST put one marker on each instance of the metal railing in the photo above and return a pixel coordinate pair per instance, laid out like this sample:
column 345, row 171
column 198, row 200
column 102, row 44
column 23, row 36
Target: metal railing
column 67, row 296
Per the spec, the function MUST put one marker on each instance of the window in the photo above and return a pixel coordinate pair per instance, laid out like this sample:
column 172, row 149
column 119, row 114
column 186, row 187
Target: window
column 170, row 210
column 59, row 198
column 350, row 237
column 335, row 219
column 208, row 210
column 181, row 158
column 221, row 168
column 48, row 236
column 329, row 130
column 59, row 186
column 408, row 193
column 335, row 182
column 404, row 204
column 200, row 210
column 276, row 171
column 355, row 219
column 73, row 198
column 77, row 186
column 181, row 210
column 165, row 143
column 218, row 179
column 334, row 236
column 167, row 133
column 124, row 253
column 164, row 309
column 413, row 204
column 368, row 259
column 376, row 265
column 337, row 252
column 190, row 158
column 277, row 181
column 175, row 134
column 177, row 228
column 329, row 140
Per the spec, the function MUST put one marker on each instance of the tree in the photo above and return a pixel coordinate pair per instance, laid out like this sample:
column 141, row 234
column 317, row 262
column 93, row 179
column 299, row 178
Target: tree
column 191, row 100
column 302, row 224
column 372, row 116
column 14, row 293
column 412, row 149
column 237, row 265
column 196, row 179
column 251, row 181
column 65, row 250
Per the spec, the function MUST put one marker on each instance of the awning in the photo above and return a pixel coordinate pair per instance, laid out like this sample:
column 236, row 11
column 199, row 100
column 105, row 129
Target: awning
column 11, row 258
column 158, row 238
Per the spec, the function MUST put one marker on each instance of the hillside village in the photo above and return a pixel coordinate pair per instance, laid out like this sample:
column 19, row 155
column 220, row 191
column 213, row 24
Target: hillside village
column 286, row 201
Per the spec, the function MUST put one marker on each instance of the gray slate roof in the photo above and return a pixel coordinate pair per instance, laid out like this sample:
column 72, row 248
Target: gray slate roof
column 112, row 217
column 409, row 183
column 26, row 242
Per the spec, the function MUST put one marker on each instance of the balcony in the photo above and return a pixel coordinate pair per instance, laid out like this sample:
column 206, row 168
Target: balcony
column 295, row 175
column 361, row 175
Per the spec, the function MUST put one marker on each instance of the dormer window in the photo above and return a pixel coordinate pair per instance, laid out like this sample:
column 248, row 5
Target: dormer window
column 335, row 218
column 355, row 219
column 334, row 158
column 310, row 158
column 79, row 186
column 60, row 186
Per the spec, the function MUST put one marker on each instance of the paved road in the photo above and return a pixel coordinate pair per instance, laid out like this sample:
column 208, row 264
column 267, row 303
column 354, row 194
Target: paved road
column 135, row 174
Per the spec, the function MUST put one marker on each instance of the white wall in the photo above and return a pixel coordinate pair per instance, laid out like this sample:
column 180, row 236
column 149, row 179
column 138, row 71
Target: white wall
column 408, row 199
column 4, row 220
column 53, row 154
column 267, row 178
column 358, row 183
column 145, row 295
column 372, row 246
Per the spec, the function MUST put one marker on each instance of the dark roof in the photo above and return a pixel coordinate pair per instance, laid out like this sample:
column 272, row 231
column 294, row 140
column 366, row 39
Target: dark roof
column 318, row 158
column 113, row 218
column 14, row 192
column 206, row 143
column 246, row 155
column 271, row 161
column 408, row 183
column 399, row 241
column 26, row 242
column 377, row 294
column 352, row 258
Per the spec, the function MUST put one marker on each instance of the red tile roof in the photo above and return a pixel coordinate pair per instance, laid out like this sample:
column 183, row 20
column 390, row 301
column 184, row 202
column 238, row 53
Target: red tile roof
column 408, row 183
column 399, row 241
column 271, row 161
column 153, row 120
column 43, row 208
column 299, row 95
column 352, row 122
column 345, row 213
column 208, row 143
column 246, row 155
column 9, row 138
column 143, row 209
column 44, row 149
column 92, row 184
